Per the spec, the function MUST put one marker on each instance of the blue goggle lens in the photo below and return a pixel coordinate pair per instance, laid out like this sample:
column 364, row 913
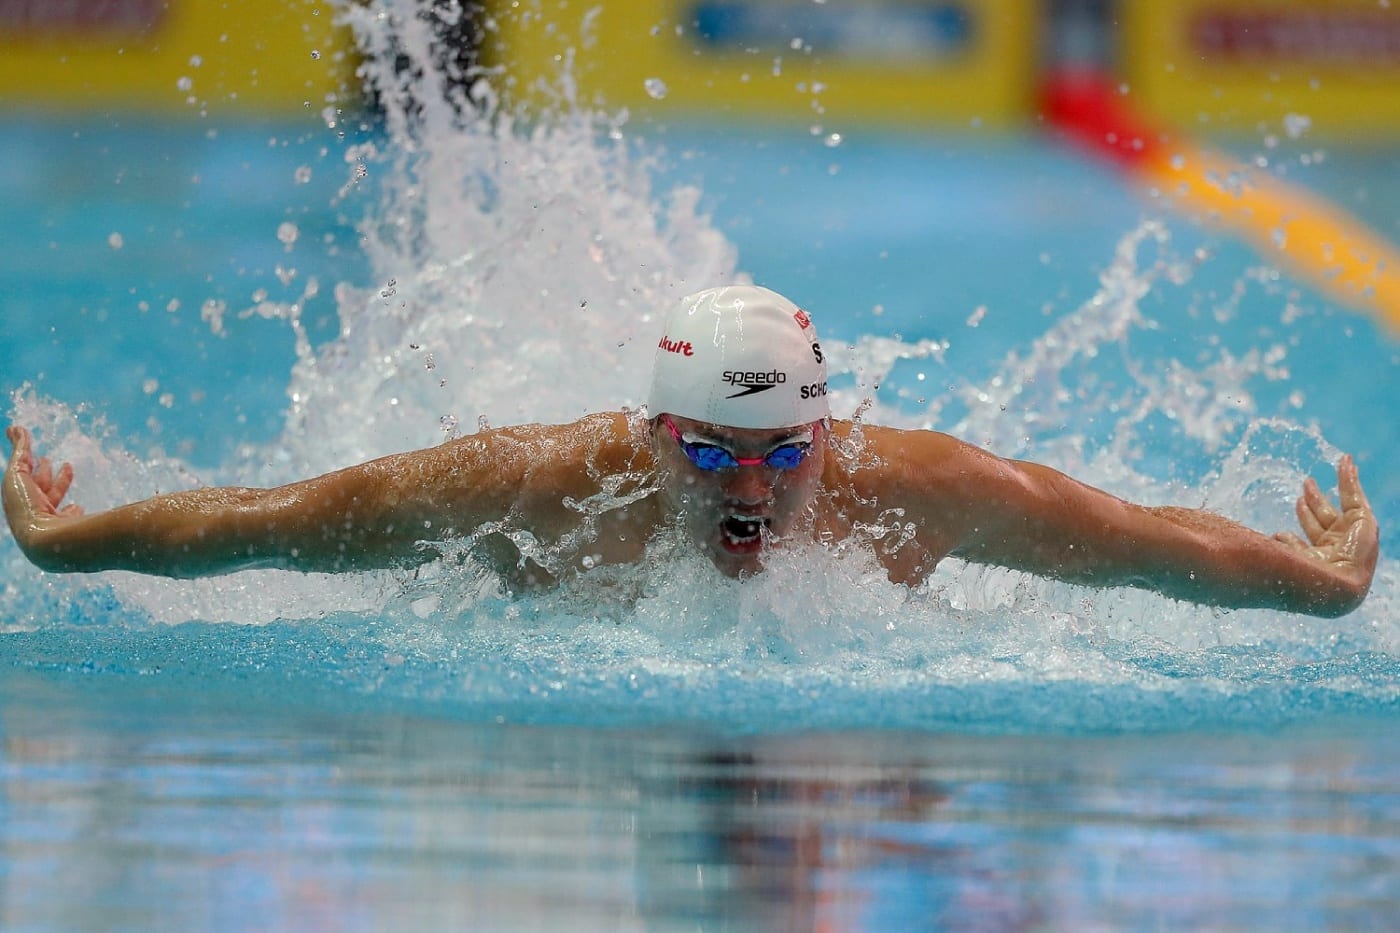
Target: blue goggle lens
column 713, row 457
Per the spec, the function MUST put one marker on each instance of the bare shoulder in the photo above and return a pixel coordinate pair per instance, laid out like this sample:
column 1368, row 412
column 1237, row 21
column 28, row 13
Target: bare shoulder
column 946, row 486
column 533, row 467
column 604, row 441
column 876, row 460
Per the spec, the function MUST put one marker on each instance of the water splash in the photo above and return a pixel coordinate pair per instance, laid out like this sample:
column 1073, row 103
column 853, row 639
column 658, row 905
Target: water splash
column 521, row 261
column 527, row 256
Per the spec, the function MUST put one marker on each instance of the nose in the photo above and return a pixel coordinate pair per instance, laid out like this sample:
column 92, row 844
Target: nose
column 751, row 485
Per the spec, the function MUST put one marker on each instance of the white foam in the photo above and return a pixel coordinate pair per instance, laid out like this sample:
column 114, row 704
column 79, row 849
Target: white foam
column 522, row 265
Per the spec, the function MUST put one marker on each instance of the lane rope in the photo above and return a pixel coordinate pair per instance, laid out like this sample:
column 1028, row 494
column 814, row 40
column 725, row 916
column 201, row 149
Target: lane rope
column 1297, row 229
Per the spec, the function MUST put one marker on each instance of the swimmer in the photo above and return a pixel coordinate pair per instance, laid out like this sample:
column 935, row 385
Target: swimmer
column 742, row 455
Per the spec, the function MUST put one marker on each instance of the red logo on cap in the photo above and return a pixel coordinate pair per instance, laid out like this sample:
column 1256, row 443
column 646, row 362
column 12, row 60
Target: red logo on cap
column 802, row 319
column 682, row 347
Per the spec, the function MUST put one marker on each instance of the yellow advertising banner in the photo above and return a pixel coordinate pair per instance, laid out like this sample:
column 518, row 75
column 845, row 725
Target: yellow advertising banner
column 906, row 62
column 196, row 56
column 1325, row 66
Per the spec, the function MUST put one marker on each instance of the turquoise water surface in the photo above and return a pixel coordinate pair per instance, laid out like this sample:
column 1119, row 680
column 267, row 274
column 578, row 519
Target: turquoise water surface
column 184, row 306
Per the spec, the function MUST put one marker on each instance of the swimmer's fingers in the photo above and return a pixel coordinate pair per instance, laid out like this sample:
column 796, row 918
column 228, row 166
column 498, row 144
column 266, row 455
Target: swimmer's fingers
column 31, row 485
column 43, row 473
column 1307, row 513
column 1347, row 538
column 1345, row 542
column 1349, row 486
column 24, row 500
column 21, row 448
column 59, row 488
column 1358, row 532
column 53, row 484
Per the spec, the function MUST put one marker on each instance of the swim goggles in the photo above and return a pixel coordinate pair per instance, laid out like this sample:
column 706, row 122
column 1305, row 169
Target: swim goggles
column 710, row 456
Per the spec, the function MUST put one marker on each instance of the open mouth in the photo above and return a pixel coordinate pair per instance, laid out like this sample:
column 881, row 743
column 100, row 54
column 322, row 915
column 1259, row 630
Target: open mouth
column 743, row 530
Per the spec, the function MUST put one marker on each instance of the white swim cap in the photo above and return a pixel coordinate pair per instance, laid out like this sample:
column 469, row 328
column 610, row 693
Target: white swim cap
column 739, row 356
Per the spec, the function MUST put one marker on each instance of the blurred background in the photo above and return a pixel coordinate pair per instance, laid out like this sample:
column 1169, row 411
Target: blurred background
column 1216, row 65
column 190, row 187
column 201, row 157
column 182, row 181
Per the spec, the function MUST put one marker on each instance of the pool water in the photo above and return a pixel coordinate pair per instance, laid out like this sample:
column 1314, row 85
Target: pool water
column 187, row 304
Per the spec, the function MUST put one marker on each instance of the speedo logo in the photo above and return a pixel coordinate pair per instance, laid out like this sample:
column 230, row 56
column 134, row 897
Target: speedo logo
column 752, row 382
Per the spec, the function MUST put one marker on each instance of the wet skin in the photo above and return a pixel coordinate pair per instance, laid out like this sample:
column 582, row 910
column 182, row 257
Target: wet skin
column 732, row 515
column 591, row 489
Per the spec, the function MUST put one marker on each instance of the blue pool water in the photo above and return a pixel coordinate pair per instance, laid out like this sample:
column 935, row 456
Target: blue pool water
column 813, row 747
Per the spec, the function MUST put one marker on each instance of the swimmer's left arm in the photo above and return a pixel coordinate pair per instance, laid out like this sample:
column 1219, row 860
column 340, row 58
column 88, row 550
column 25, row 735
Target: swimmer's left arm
column 1057, row 526
column 974, row 505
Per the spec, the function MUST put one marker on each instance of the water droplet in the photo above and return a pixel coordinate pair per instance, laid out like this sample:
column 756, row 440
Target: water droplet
column 287, row 232
column 656, row 88
column 184, row 83
column 115, row 240
column 303, row 174
column 833, row 140
column 315, row 55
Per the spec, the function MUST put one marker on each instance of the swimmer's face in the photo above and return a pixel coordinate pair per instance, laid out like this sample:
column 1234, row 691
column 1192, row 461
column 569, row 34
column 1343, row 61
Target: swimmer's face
column 734, row 514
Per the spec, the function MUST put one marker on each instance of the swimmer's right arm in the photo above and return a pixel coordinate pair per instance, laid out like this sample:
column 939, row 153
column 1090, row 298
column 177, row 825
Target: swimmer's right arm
column 364, row 517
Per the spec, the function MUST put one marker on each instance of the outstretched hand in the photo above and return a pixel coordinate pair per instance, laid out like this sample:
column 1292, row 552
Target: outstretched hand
column 33, row 489
column 1346, row 538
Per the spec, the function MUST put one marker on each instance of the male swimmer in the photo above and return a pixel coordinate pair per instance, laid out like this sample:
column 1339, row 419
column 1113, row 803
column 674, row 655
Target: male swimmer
column 741, row 453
